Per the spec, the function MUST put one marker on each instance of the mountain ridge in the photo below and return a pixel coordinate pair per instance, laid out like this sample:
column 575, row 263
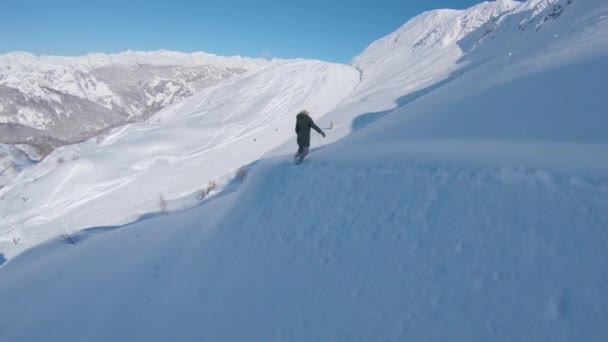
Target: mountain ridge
column 69, row 99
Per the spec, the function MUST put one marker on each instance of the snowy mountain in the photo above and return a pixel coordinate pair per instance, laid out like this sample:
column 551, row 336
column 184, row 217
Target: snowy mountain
column 460, row 195
column 431, row 32
column 50, row 101
column 180, row 149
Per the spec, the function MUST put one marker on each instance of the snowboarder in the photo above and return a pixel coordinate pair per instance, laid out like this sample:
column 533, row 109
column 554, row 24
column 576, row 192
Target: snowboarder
column 303, row 125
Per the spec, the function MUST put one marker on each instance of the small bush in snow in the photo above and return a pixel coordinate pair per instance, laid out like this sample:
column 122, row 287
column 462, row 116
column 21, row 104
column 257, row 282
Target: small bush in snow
column 162, row 204
column 60, row 160
column 241, row 173
column 67, row 236
column 69, row 239
column 201, row 194
column 75, row 158
column 211, row 186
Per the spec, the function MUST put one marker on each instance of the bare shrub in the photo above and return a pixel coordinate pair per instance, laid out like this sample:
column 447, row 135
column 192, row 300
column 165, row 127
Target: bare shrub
column 201, row 194
column 211, row 186
column 60, row 160
column 241, row 173
column 68, row 237
column 44, row 150
column 162, row 204
column 75, row 157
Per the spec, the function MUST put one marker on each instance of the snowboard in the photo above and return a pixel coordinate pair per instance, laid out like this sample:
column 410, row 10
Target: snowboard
column 298, row 160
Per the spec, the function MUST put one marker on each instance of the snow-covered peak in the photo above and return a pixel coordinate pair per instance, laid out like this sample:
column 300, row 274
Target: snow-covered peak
column 159, row 58
column 434, row 29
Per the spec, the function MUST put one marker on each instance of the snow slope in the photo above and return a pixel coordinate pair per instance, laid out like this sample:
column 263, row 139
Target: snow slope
column 177, row 152
column 474, row 210
column 419, row 57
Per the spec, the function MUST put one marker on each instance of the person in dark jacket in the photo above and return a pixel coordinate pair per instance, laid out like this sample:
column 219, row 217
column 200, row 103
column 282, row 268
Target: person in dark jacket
column 303, row 125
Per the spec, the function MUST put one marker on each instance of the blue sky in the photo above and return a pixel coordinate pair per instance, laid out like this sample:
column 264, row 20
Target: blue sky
column 323, row 29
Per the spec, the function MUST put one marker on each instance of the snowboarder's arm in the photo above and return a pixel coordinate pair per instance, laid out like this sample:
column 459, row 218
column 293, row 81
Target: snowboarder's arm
column 316, row 128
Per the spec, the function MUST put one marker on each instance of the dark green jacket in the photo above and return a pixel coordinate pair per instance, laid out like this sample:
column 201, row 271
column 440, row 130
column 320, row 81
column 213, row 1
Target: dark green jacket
column 303, row 125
